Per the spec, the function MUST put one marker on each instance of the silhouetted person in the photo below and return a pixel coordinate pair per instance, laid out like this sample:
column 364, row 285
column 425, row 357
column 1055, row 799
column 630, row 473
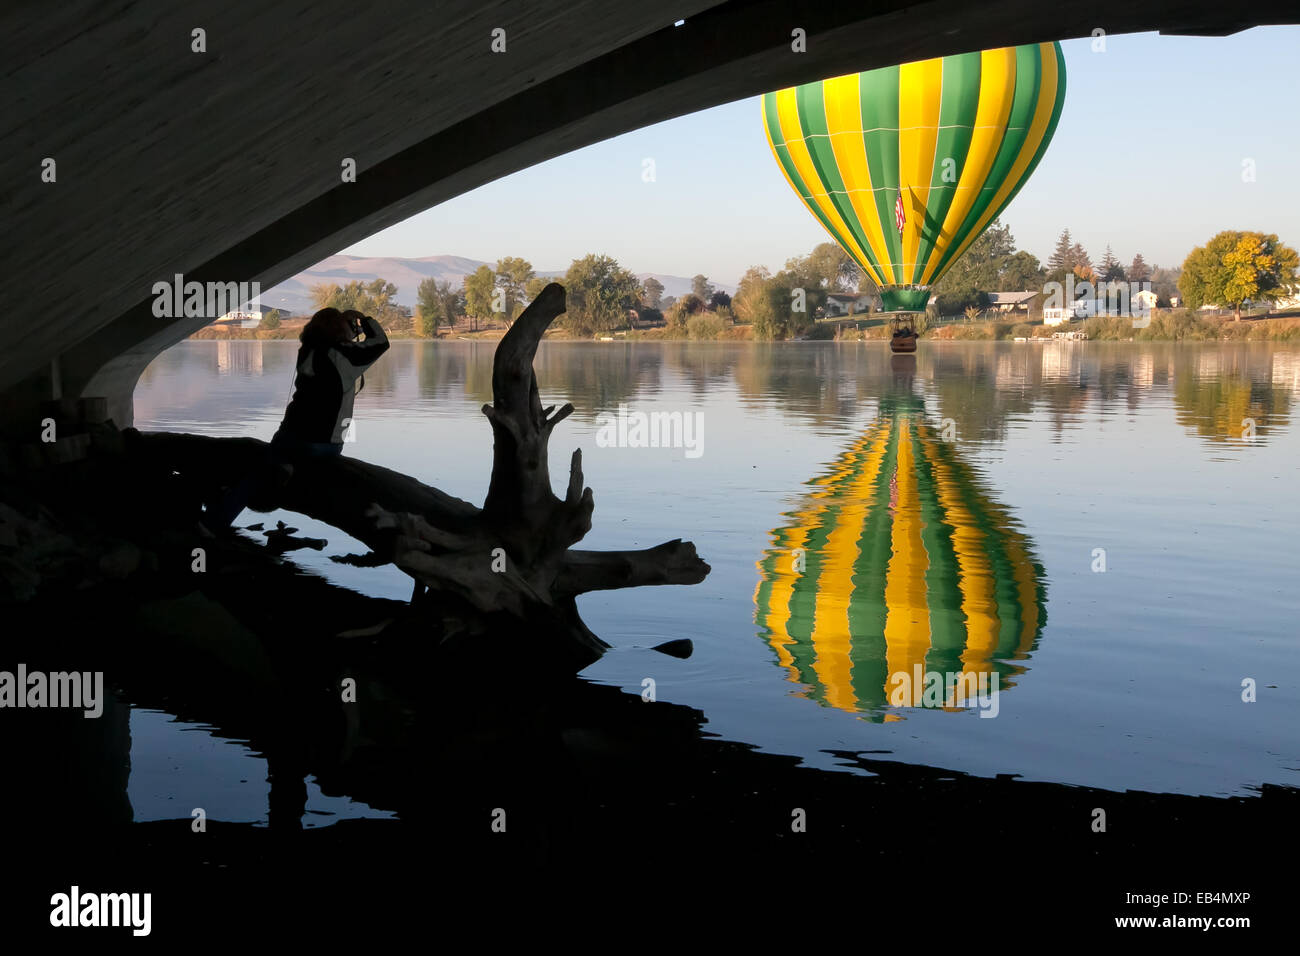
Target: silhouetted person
column 330, row 364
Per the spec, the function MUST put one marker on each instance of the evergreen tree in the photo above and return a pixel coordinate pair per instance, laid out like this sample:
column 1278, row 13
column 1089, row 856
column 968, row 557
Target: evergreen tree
column 1079, row 258
column 1110, row 268
column 1139, row 271
column 1060, row 258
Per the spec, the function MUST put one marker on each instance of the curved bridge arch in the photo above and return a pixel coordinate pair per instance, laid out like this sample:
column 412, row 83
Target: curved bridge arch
column 224, row 165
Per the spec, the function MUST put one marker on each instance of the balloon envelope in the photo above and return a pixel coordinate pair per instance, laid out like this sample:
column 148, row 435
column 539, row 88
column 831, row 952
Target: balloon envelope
column 905, row 166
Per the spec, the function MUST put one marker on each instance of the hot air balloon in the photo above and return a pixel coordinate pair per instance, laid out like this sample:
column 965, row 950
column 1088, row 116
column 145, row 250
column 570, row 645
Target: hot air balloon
column 905, row 166
column 897, row 567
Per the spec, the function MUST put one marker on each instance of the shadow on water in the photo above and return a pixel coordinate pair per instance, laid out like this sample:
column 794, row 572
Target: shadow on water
column 500, row 773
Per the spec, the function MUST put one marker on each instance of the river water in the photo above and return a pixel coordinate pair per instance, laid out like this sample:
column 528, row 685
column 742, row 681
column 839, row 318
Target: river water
column 1101, row 537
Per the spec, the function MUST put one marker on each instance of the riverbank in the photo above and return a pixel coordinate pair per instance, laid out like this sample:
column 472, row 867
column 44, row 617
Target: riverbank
column 1179, row 326
column 1165, row 326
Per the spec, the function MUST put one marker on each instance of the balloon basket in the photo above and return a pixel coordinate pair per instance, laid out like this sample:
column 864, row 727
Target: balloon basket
column 902, row 331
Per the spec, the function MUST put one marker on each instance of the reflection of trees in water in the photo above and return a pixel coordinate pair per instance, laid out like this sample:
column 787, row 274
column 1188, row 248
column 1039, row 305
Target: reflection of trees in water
column 964, row 385
column 596, row 377
column 822, row 383
column 386, row 376
column 707, row 368
column 453, row 370
column 1214, row 392
column 982, row 388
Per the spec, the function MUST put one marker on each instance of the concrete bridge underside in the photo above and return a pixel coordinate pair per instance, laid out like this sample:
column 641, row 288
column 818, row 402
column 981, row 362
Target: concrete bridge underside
column 225, row 165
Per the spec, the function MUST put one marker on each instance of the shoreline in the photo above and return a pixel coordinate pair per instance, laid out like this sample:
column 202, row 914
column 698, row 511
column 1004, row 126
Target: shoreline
column 874, row 341
column 1164, row 326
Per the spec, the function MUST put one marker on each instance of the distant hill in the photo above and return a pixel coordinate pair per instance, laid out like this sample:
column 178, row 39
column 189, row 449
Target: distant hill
column 294, row 295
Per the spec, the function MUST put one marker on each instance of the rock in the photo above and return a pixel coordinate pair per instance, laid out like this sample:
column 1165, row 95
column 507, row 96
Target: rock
column 682, row 647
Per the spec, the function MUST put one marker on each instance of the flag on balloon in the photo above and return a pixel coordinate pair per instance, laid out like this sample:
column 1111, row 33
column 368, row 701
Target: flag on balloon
column 899, row 217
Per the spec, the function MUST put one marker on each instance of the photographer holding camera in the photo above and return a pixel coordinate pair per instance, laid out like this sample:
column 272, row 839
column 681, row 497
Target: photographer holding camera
column 331, row 359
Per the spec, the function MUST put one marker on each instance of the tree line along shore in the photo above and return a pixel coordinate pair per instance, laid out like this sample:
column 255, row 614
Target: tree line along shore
column 826, row 295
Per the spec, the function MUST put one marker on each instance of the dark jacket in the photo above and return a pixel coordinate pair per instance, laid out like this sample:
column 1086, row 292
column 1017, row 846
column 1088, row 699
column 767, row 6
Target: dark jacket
column 326, row 382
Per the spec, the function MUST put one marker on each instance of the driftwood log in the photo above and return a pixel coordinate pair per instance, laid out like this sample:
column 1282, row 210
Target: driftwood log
column 514, row 556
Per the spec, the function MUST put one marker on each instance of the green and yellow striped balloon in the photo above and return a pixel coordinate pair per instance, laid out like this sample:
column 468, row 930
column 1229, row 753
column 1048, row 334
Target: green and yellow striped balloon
column 899, row 562
column 953, row 138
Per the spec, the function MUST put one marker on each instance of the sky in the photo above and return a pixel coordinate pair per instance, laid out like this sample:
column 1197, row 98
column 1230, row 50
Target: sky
column 1149, row 157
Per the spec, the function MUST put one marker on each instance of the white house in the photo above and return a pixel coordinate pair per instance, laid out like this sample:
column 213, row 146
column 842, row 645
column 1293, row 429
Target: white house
column 247, row 318
column 847, row 303
column 1143, row 301
column 1011, row 301
column 1287, row 301
column 1067, row 314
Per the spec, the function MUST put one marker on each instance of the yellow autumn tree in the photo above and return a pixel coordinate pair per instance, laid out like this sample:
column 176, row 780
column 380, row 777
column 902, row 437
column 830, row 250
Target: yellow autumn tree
column 1246, row 265
column 1236, row 266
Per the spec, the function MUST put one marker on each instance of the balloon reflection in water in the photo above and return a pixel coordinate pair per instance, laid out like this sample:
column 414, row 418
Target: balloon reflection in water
column 899, row 563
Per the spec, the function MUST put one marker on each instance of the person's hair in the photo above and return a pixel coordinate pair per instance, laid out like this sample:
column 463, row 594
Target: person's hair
column 326, row 327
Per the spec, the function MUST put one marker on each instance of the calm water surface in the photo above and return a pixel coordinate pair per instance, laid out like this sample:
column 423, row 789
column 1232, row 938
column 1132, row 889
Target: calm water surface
column 863, row 519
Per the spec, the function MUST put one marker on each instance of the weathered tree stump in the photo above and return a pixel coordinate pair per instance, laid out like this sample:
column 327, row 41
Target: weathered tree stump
column 512, row 557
